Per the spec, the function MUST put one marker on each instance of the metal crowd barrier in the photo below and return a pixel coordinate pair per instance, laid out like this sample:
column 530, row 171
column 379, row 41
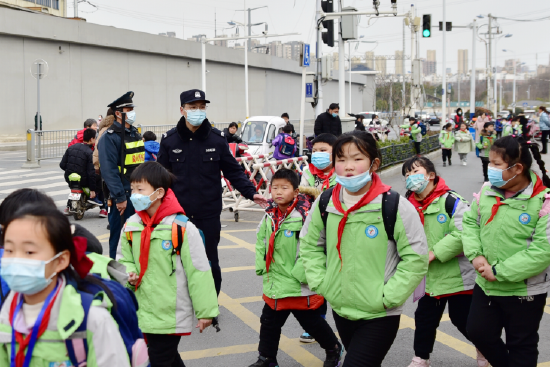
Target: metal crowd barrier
column 47, row 144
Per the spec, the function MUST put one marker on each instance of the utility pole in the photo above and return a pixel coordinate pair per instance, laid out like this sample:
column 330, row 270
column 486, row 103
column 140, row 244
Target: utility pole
column 341, row 65
column 490, row 69
column 444, row 71
column 76, row 8
column 403, row 74
column 473, row 72
column 248, row 46
column 319, row 56
column 458, row 90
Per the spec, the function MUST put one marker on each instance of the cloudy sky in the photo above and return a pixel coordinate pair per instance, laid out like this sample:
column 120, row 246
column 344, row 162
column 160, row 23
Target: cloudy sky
column 530, row 40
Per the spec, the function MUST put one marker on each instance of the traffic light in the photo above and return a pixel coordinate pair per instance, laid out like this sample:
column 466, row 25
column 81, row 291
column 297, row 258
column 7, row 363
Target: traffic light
column 426, row 25
column 328, row 36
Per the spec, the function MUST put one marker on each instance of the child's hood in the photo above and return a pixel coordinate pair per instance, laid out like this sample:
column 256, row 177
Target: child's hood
column 303, row 206
column 152, row 146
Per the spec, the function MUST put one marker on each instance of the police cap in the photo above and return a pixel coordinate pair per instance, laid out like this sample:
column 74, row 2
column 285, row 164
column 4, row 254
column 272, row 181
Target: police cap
column 193, row 95
column 124, row 101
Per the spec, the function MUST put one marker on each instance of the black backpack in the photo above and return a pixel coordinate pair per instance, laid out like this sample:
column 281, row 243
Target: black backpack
column 390, row 204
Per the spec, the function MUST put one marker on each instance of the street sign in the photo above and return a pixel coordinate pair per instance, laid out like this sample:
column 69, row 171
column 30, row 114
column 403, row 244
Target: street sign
column 309, row 90
column 525, row 104
column 306, row 59
column 449, row 87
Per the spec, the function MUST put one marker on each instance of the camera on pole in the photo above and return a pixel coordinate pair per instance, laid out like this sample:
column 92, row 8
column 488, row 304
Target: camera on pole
column 328, row 36
column 426, row 25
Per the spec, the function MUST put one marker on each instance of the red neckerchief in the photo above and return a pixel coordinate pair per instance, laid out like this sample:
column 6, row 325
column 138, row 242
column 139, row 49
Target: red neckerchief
column 278, row 219
column 537, row 189
column 168, row 207
column 24, row 341
column 440, row 189
column 377, row 188
column 319, row 173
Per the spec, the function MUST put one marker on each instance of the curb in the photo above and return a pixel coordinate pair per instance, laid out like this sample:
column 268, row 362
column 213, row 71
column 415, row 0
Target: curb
column 396, row 169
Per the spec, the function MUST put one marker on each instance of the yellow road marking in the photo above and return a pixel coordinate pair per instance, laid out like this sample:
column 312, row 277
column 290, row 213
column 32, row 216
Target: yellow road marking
column 445, row 317
column 103, row 236
column 238, row 268
column 238, row 241
column 229, row 247
column 547, row 309
column 216, row 352
column 239, row 230
column 249, row 299
column 287, row 345
column 545, row 364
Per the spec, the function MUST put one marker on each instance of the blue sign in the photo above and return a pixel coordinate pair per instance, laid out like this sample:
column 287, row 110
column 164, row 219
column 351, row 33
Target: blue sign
column 307, row 58
column 309, row 90
column 525, row 104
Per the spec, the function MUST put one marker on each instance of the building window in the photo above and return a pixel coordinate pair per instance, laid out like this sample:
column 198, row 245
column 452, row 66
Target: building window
column 55, row 4
column 47, row 3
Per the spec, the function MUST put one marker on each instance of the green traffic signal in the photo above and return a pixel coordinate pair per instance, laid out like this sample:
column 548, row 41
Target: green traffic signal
column 426, row 33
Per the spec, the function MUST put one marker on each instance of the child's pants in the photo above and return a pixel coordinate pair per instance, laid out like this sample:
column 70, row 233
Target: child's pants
column 485, row 166
column 446, row 153
column 518, row 316
column 463, row 156
column 428, row 316
column 367, row 341
column 310, row 320
column 417, row 147
column 163, row 350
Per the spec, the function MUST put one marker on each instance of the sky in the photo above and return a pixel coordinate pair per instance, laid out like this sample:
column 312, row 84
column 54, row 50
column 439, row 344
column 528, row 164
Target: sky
column 529, row 40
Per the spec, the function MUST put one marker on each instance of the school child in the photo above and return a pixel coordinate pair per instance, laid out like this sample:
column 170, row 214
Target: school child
column 365, row 264
column 320, row 173
column 505, row 237
column 499, row 126
column 415, row 132
column 284, row 143
column 44, row 308
column 486, row 140
column 447, row 139
column 450, row 278
column 464, row 142
column 513, row 128
column 166, row 262
column 276, row 261
column 151, row 146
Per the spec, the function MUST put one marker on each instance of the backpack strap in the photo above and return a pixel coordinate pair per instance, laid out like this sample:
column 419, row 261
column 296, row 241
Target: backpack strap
column 77, row 348
column 178, row 232
column 451, row 203
column 390, row 206
column 323, row 203
column 129, row 236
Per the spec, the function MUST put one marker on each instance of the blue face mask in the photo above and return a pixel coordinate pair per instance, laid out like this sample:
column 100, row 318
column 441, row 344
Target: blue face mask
column 495, row 176
column 355, row 183
column 334, row 114
column 142, row 202
column 131, row 117
column 320, row 160
column 417, row 183
column 196, row 118
column 26, row 276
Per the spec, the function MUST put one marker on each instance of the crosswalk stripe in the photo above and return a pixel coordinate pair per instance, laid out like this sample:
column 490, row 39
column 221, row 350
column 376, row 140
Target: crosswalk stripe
column 38, row 187
column 60, row 192
column 30, row 175
column 24, row 182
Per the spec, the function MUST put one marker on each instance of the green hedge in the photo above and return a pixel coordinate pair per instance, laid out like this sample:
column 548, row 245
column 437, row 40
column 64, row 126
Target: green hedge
column 395, row 151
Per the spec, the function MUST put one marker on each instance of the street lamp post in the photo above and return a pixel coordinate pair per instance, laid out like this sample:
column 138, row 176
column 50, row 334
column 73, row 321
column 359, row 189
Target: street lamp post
column 514, row 86
column 357, row 42
column 495, row 73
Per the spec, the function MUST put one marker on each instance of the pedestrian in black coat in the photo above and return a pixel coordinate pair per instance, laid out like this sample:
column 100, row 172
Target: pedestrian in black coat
column 329, row 122
column 78, row 158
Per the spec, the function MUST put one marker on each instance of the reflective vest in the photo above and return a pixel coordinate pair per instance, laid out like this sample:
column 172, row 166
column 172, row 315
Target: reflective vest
column 134, row 151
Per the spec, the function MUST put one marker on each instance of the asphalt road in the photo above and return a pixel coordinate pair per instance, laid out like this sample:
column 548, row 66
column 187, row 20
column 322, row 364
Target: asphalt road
column 240, row 301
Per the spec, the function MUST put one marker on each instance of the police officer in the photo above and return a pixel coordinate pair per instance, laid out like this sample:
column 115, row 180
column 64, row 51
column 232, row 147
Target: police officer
column 121, row 150
column 195, row 152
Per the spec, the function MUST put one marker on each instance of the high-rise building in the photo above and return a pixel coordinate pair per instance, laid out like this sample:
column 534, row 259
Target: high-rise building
column 369, row 59
column 197, row 37
column 53, row 7
column 221, row 43
column 287, row 51
column 463, row 62
column 509, row 65
column 276, row 48
column 431, row 55
column 381, row 65
column 428, row 67
column 399, row 62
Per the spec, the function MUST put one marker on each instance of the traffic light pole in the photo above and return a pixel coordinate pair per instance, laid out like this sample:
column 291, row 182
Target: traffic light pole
column 444, row 71
column 341, row 67
column 473, row 72
column 319, row 55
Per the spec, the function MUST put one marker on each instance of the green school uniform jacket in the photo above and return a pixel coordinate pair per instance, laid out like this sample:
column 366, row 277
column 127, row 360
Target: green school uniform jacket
column 175, row 288
column 376, row 275
column 515, row 242
column 308, row 180
column 447, row 139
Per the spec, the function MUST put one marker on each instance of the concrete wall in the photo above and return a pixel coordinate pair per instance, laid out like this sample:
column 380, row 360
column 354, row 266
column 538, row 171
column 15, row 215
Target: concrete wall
column 92, row 65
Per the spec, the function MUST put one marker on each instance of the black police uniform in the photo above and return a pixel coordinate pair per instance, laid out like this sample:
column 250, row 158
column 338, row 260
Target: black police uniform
column 109, row 164
column 196, row 160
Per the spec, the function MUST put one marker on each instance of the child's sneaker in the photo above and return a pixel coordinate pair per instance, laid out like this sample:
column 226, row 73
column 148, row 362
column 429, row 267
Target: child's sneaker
column 306, row 338
column 103, row 213
column 444, row 164
column 463, row 163
column 450, row 163
column 481, row 360
column 419, row 362
column 265, row 362
column 334, row 356
column 95, row 201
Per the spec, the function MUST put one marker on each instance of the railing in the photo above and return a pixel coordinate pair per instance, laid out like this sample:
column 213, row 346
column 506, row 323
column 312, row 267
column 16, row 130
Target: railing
column 47, row 144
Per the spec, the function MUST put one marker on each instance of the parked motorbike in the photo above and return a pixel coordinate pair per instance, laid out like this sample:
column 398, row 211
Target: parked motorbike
column 78, row 197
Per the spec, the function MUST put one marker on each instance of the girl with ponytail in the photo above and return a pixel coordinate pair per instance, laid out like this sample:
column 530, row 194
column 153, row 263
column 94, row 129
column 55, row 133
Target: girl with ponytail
column 505, row 237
